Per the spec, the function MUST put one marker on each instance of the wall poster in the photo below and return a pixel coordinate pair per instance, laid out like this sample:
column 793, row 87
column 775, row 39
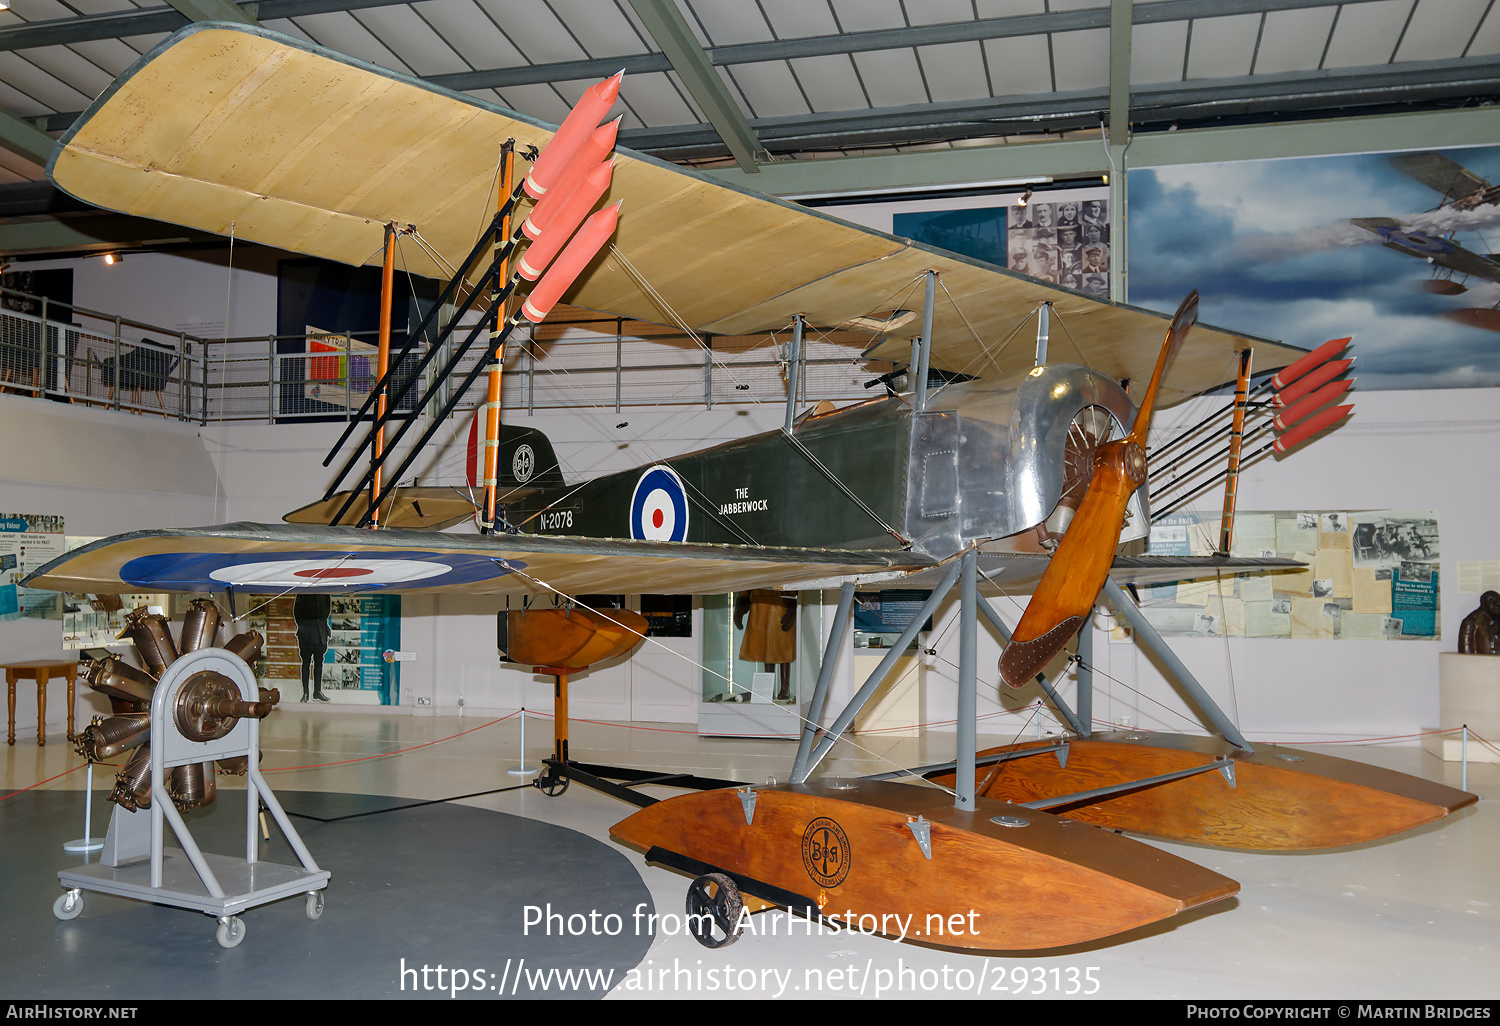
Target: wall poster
column 1369, row 576
column 1064, row 240
column 348, row 642
column 28, row 541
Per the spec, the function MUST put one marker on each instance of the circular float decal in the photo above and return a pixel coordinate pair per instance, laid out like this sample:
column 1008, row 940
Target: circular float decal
column 312, row 571
column 523, row 463
column 658, row 509
column 825, row 852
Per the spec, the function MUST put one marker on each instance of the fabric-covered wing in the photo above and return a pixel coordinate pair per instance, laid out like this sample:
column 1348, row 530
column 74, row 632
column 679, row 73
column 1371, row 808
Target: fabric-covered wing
column 1442, row 174
column 265, row 558
column 235, row 128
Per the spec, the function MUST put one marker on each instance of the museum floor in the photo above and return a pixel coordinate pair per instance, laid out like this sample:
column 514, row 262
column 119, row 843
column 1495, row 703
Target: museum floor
column 1417, row 917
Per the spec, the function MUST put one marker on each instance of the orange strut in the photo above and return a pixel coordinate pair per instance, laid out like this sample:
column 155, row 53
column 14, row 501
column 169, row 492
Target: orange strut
column 497, row 363
column 559, row 709
column 1236, row 436
column 383, row 358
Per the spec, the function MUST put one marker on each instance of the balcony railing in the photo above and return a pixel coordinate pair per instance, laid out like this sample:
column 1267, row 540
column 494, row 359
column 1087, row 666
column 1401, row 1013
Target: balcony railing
column 63, row 352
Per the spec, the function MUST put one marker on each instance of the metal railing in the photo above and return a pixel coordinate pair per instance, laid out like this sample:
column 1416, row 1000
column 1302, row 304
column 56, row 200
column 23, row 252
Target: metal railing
column 56, row 350
column 60, row 351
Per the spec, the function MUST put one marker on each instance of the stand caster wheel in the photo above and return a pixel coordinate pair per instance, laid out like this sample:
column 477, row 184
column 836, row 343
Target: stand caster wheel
column 231, row 931
column 314, row 904
column 69, row 905
column 714, row 907
column 550, row 782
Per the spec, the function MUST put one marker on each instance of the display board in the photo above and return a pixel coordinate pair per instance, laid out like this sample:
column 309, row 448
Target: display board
column 359, row 640
column 1063, row 240
column 1370, row 576
column 28, row 541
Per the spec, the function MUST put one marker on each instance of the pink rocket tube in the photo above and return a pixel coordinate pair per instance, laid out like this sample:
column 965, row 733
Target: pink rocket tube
column 570, row 213
column 590, row 238
column 1308, row 406
column 1302, row 432
column 594, row 150
column 571, row 135
column 1318, row 378
column 1322, row 354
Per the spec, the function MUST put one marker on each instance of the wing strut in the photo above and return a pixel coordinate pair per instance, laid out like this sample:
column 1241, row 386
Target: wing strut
column 497, row 358
column 1147, row 636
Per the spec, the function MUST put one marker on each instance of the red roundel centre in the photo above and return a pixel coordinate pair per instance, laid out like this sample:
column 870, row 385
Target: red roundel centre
column 657, row 517
column 334, row 571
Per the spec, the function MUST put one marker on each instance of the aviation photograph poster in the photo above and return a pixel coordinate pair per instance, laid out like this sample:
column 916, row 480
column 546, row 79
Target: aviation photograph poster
column 1369, row 576
column 1393, row 249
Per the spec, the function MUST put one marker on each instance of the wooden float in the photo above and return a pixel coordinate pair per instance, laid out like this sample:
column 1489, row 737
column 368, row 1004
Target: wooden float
column 852, row 853
column 1281, row 799
column 574, row 637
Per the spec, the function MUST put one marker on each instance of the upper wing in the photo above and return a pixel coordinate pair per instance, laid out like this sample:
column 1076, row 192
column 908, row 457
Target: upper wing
column 264, row 558
column 237, row 129
column 1439, row 173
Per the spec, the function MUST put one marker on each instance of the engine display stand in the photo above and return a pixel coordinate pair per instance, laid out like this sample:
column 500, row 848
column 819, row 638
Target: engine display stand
column 137, row 864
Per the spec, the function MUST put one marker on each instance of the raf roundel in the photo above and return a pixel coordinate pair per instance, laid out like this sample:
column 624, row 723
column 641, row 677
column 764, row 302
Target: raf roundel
column 343, row 572
column 659, row 509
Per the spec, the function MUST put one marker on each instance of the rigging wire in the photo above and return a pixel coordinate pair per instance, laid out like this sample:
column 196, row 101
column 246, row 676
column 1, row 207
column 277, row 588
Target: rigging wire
column 787, row 710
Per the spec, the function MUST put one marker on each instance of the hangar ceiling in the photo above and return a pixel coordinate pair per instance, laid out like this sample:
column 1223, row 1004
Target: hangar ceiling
column 758, row 87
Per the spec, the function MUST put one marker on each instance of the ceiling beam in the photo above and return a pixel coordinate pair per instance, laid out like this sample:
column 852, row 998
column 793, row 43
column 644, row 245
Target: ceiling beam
column 24, row 138
column 671, row 33
column 1120, row 33
column 856, row 42
column 1281, row 95
column 213, row 10
column 62, row 31
column 151, row 20
column 955, row 168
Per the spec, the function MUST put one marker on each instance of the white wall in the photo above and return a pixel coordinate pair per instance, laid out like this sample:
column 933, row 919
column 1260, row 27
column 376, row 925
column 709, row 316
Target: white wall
column 189, row 292
column 105, row 473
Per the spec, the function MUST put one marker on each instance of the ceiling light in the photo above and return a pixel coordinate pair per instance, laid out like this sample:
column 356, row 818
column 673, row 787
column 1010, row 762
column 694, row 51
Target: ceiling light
column 109, row 258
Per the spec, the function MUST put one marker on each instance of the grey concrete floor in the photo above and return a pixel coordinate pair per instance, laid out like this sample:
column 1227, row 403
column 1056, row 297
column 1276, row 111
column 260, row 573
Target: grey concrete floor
column 1410, row 918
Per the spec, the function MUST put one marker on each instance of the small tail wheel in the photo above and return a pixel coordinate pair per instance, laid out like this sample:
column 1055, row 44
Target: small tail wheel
column 231, row 931
column 714, row 910
column 551, row 781
column 314, row 905
column 69, row 905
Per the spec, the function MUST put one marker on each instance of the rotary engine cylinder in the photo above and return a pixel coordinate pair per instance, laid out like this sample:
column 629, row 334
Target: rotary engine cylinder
column 192, row 786
column 116, row 678
column 200, row 626
column 107, row 737
column 133, row 783
column 247, row 646
column 153, row 640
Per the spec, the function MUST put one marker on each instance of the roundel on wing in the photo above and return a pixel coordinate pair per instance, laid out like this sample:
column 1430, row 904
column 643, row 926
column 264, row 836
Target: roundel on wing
column 343, row 572
column 659, row 509
column 1417, row 240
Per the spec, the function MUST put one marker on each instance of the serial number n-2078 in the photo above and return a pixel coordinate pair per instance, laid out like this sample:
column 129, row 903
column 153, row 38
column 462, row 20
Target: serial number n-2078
column 559, row 520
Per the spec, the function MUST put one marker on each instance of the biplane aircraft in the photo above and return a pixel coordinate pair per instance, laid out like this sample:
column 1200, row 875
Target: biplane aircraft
column 1027, row 469
column 1462, row 191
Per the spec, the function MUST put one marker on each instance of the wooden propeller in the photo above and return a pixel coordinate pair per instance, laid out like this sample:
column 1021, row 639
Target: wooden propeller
column 1071, row 583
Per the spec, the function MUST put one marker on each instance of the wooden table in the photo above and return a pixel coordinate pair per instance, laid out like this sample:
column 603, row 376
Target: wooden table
column 41, row 671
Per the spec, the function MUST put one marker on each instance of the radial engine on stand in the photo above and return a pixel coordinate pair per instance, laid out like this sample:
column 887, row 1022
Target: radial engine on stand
column 207, row 707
